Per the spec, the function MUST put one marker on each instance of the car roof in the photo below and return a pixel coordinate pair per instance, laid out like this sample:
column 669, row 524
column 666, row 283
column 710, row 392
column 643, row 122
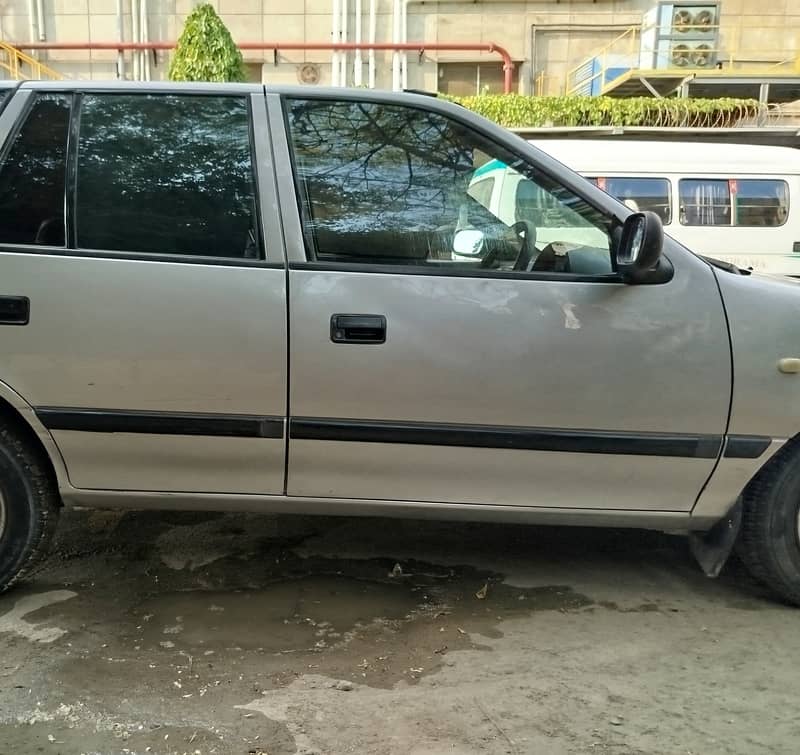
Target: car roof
column 293, row 90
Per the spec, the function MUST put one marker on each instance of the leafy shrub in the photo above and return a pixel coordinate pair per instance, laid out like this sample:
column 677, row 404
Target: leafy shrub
column 205, row 50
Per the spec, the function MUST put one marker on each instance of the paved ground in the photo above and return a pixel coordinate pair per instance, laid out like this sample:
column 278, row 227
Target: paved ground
column 233, row 634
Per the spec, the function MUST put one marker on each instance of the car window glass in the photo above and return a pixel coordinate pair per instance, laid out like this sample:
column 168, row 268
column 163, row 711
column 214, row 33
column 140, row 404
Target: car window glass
column 166, row 174
column 33, row 173
column 391, row 185
column 640, row 194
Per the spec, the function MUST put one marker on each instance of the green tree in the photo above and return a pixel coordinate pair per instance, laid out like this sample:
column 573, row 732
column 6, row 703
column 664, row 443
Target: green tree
column 205, row 50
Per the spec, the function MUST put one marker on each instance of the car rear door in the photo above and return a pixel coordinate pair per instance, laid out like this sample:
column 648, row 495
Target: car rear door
column 132, row 221
column 417, row 375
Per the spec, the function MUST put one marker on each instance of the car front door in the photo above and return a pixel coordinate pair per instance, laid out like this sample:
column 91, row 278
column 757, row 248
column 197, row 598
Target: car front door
column 450, row 346
column 155, row 350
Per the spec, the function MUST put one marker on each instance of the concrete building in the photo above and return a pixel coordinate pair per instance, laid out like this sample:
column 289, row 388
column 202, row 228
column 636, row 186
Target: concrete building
column 546, row 39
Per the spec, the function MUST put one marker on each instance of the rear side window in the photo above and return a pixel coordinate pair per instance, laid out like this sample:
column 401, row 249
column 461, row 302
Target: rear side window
column 33, row 173
column 640, row 194
column 747, row 202
column 166, row 175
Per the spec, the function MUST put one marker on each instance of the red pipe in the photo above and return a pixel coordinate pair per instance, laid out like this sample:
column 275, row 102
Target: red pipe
column 490, row 47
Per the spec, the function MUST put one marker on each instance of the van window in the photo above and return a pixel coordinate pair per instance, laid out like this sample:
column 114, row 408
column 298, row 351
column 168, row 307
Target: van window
column 33, row 173
column 166, row 174
column 739, row 202
column 760, row 202
column 640, row 194
column 705, row 201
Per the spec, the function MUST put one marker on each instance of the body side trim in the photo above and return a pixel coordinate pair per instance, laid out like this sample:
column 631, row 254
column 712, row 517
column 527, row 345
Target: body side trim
column 746, row 446
column 160, row 423
column 523, row 438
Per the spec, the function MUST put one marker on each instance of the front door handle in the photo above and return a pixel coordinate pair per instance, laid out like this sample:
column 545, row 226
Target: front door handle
column 358, row 328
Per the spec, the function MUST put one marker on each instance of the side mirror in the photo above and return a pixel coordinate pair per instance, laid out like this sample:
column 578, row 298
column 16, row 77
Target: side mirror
column 640, row 246
column 468, row 243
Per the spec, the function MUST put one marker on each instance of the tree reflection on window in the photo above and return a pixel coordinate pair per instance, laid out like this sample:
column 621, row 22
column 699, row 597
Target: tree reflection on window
column 166, row 174
column 392, row 184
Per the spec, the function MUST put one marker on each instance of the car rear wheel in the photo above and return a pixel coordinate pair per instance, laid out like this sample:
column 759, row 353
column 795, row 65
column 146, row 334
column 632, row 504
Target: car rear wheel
column 769, row 543
column 29, row 506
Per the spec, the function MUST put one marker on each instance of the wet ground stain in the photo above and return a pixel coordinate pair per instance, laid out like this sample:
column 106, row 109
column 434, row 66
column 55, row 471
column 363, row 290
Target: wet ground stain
column 374, row 622
column 207, row 639
column 190, row 636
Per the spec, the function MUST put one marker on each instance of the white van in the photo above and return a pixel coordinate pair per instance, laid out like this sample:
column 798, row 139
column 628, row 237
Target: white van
column 738, row 203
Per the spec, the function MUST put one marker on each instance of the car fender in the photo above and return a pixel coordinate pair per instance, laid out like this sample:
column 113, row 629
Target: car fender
column 27, row 415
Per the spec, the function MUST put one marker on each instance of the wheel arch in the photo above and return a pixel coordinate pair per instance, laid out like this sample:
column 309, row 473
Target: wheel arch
column 14, row 410
column 731, row 479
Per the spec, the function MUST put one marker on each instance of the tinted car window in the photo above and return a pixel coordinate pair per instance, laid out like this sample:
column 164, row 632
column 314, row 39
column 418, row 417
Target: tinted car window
column 166, row 174
column 392, row 185
column 32, row 176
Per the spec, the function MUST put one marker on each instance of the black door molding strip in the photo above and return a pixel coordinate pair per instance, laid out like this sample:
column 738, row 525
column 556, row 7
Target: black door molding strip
column 523, row 438
column 160, row 423
column 564, row 440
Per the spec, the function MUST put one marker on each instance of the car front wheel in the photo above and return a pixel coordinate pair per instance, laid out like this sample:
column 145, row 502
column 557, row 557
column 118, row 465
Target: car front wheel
column 769, row 542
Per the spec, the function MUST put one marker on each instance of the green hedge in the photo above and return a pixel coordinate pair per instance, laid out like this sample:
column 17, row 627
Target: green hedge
column 517, row 111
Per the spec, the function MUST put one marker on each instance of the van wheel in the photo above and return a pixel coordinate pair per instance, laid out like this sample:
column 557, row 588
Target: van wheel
column 769, row 543
column 29, row 507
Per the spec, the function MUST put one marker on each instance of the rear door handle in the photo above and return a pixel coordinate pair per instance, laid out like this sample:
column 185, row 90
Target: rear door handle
column 358, row 328
column 14, row 310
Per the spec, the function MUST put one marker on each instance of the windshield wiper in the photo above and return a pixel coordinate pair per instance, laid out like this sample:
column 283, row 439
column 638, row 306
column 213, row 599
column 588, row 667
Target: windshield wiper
column 727, row 266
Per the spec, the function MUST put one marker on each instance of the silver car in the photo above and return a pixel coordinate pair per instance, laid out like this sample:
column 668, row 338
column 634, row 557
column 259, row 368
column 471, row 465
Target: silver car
column 300, row 300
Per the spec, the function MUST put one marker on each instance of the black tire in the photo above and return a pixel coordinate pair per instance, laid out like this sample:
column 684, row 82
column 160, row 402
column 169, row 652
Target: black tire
column 769, row 542
column 29, row 506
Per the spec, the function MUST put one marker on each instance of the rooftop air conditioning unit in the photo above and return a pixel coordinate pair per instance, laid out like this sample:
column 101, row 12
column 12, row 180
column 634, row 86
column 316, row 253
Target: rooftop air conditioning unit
column 691, row 55
column 680, row 35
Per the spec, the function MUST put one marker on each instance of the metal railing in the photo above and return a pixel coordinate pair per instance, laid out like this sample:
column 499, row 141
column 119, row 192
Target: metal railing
column 15, row 64
column 706, row 50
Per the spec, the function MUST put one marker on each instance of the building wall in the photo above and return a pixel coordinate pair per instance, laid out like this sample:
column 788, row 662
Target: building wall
column 546, row 37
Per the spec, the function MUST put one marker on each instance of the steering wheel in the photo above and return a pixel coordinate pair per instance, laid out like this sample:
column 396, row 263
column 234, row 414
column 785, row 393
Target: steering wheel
column 527, row 234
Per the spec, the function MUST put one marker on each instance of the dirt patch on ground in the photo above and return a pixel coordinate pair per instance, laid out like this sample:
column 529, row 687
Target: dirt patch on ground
column 172, row 633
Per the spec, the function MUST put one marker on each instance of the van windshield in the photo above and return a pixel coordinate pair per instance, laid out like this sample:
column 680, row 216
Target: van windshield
column 513, row 197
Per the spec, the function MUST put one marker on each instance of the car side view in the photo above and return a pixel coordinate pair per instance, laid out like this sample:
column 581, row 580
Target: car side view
column 307, row 301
